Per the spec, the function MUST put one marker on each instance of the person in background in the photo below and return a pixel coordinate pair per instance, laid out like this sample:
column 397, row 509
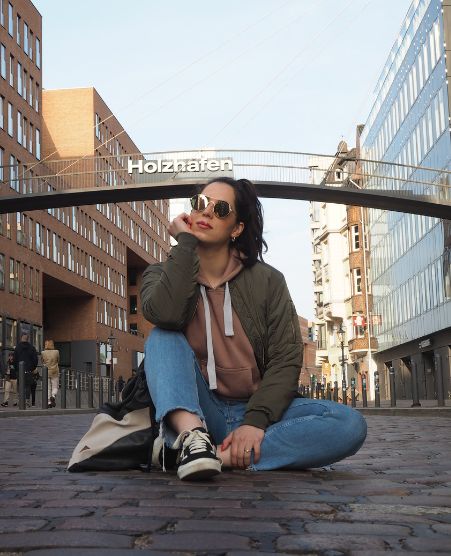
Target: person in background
column 27, row 353
column 50, row 358
column 10, row 381
column 120, row 385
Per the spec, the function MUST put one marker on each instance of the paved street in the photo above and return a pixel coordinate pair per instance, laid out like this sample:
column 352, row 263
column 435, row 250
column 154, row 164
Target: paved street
column 393, row 497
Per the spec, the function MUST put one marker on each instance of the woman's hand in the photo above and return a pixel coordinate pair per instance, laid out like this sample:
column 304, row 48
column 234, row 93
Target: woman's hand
column 182, row 223
column 242, row 442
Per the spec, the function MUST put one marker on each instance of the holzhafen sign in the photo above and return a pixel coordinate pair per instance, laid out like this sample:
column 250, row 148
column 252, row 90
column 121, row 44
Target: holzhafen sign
column 175, row 166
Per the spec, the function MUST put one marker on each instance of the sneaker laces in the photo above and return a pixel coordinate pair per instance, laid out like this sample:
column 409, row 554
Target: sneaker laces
column 198, row 441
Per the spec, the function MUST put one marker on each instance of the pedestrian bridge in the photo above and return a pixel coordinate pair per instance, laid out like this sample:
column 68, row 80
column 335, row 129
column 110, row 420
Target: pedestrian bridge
column 340, row 178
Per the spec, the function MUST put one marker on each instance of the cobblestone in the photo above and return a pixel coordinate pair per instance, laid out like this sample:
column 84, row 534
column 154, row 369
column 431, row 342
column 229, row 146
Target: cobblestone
column 394, row 496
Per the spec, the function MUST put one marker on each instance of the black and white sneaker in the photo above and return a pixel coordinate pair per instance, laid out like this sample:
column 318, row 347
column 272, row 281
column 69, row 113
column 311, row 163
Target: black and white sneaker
column 162, row 456
column 197, row 459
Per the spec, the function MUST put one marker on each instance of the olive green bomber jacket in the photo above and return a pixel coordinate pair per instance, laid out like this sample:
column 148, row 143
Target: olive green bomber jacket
column 260, row 297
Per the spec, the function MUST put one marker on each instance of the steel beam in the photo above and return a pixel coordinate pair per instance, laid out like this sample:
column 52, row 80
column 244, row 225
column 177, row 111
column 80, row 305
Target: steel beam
column 398, row 201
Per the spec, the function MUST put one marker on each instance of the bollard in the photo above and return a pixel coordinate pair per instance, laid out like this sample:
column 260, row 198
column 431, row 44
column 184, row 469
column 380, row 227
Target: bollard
column 391, row 373
column 22, row 404
column 335, row 391
column 328, row 392
column 415, row 390
column 364, row 394
column 377, row 394
column 307, row 391
column 90, row 391
column 78, row 389
column 63, row 388
column 100, row 391
column 110, row 390
column 353, row 392
column 439, row 380
column 45, row 387
column 344, row 393
column 323, row 396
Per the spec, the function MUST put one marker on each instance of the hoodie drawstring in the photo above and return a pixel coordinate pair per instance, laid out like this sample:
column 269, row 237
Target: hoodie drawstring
column 228, row 329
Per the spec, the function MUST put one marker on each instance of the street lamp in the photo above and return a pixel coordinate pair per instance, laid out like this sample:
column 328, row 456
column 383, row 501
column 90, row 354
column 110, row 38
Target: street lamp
column 112, row 343
column 341, row 339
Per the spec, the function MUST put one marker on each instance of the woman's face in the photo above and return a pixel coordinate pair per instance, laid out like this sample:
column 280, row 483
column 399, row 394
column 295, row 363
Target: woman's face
column 210, row 229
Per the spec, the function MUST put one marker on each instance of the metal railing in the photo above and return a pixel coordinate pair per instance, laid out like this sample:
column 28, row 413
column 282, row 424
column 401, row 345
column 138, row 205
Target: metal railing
column 76, row 389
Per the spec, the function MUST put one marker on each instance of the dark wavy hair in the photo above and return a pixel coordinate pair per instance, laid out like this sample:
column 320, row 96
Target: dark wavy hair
column 249, row 211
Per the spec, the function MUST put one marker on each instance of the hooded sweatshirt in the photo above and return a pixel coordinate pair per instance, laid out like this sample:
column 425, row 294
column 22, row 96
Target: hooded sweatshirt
column 215, row 334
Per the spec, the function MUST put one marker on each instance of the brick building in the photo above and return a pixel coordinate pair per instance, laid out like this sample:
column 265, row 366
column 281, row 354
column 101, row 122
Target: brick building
column 309, row 366
column 70, row 274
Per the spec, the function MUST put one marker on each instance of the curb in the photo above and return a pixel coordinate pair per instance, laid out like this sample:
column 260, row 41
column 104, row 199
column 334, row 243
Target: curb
column 410, row 411
column 41, row 412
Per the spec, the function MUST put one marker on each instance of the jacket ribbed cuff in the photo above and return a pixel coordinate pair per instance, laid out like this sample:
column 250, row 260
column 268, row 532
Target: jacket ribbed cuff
column 186, row 239
column 257, row 419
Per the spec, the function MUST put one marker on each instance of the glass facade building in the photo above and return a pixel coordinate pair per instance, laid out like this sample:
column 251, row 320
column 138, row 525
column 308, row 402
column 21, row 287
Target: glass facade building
column 406, row 144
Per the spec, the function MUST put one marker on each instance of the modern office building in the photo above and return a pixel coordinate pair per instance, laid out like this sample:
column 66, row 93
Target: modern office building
column 410, row 255
column 70, row 274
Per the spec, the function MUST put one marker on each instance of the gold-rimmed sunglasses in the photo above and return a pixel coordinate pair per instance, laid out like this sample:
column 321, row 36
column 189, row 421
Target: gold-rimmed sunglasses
column 200, row 202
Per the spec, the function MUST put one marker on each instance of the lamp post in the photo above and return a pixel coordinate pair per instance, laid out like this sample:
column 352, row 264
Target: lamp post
column 341, row 338
column 112, row 343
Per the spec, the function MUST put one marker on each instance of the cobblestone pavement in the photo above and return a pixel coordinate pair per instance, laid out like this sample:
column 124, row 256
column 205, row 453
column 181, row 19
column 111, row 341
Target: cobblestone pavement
column 394, row 497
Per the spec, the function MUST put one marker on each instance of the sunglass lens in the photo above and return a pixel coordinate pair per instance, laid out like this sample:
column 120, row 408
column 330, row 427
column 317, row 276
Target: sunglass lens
column 222, row 209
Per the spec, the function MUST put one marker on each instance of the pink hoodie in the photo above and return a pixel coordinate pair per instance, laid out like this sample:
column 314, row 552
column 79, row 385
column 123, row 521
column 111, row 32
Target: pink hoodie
column 215, row 334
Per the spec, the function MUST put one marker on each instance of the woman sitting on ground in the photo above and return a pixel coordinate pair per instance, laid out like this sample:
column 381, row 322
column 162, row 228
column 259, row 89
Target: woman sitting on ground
column 223, row 362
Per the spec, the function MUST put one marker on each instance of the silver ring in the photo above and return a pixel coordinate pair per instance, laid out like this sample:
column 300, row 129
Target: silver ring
column 247, row 451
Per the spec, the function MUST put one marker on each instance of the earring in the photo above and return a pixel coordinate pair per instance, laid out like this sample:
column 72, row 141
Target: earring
column 233, row 238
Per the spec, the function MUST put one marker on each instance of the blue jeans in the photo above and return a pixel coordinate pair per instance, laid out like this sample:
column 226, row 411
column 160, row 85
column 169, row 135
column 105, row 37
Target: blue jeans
column 311, row 433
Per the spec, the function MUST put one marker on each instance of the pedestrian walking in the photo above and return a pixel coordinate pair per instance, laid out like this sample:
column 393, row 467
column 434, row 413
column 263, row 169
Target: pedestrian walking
column 223, row 362
column 120, row 386
column 10, row 377
column 50, row 358
column 27, row 353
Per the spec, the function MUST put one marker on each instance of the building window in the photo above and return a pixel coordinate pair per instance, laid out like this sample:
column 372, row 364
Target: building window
column 97, row 124
column 38, row 237
column 30, row 92
column 38, row 53
column 11, row 275
column 10, row 120
column 38, row 144
column 133, row 305
column 18, row 25
column 19, row 78
column 11, row 333
column 2, row 157
column 2, row 119
column 30, row 46
column 3, row 60
column 25, row 38
column 30, row 284
column 19, row 128
column 36, row 98
column 24, row 85
column 24, row 140
column 11, row 70
column 355, row 237
column 2, row 20
column 10, row 19
column 2, row 271
column 357, row 280
column 30, row 139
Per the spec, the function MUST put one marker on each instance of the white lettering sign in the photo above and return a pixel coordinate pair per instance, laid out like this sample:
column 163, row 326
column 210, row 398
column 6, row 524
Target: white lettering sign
column 177, row 166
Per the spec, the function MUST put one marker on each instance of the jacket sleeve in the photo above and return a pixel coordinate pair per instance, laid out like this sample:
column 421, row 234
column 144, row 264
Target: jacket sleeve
column 279, row 384
column 168, row 289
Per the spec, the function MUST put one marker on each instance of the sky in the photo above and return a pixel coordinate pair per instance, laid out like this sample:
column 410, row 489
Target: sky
column 293, row 75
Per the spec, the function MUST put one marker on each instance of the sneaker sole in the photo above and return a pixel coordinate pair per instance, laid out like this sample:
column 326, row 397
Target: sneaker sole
column 200, row 469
